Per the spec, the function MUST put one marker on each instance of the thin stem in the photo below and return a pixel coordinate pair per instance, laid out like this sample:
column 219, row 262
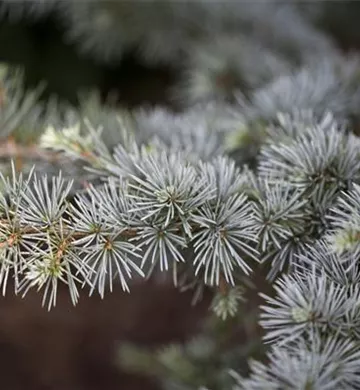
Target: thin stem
column 10, row 149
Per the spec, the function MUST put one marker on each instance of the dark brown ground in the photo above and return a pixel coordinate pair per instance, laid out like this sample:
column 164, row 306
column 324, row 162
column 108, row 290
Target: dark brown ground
column 73, row 348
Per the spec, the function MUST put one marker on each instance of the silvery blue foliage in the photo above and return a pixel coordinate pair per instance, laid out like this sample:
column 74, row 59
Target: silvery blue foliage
column 220, row 65
column 198, row 133
column 328, row 364
column 315, row 160
column 158, row 208
column 305, row 304
column 320, row 85
column 264, row 172
column 21, row 111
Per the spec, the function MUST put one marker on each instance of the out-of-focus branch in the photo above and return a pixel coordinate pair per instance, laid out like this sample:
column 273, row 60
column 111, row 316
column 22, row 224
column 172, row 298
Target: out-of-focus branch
column 9, row 149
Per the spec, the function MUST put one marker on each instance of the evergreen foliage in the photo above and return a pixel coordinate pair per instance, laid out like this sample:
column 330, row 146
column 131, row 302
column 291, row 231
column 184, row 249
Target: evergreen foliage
column 261, row 172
